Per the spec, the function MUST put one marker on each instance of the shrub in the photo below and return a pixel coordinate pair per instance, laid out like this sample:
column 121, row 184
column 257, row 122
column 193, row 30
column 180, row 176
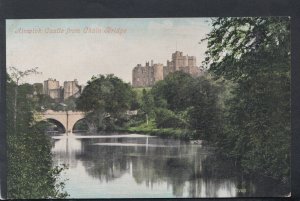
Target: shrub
column 165, row 118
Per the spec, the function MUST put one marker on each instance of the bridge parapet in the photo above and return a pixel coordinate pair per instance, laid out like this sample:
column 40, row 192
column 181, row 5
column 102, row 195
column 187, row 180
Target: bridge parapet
column 52, row 112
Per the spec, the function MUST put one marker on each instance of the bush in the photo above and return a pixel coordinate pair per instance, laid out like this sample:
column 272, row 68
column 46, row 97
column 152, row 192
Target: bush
column 165, row 118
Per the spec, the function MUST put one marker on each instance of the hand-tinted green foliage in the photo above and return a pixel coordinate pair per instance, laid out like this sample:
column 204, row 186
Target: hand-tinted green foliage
column 105, row 98
column 254, row 53
column 187, row 102
column 45, row 102
column 30, row 172
column 147, row 103
column 175, row 90
column 165, row 118
column 242, row 47
column 70, row 103
column 205, row 110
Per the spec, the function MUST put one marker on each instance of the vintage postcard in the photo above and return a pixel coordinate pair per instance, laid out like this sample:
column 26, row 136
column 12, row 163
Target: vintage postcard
column 148, row 107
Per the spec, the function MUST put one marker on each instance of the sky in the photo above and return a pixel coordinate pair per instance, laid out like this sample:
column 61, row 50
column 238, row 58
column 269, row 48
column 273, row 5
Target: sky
column 68, row 49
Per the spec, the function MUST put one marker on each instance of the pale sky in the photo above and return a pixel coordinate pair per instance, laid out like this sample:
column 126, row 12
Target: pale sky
column 67, row 56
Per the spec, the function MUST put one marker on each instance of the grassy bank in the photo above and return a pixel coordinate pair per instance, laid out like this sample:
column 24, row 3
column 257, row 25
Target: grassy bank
column 151, row 129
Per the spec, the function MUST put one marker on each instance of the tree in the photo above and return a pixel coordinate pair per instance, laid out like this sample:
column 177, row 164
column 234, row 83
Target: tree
column 30, row 173
column 204, row 112
column 175, row 90
column 165, row 118
column 242, row 47
column 105, row 97
column 147, row 104
column 17, row 76
column 186, row 102
column 254, row 54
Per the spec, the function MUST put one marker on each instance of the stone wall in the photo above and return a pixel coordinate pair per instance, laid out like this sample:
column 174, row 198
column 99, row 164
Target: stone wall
column 158, row 72
column 71, row 88
column 50, row 84
column 55, row 91
column 52, row 89
column 145, row 76
column 148, row 75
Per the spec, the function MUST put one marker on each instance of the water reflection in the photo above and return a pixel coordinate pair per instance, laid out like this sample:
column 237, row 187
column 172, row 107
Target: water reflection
column 134, row 166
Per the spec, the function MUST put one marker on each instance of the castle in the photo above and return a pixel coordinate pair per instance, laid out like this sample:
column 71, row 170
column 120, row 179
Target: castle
column 55, row 91
column 147, row 76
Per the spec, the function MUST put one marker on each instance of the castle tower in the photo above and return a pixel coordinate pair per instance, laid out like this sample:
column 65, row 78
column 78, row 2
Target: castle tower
column 158, row 72
column 138, row 76
column 144, row 76
column 192, row 61
column 52, row 89
column 49, row 85
column 71, row 88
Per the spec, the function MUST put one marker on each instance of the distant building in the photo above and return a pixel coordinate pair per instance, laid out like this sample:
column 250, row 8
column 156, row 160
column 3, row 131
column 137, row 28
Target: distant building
column 55, row 91
column 145, row 76
column 71, row 88
column 183, row 63
column 52, row 89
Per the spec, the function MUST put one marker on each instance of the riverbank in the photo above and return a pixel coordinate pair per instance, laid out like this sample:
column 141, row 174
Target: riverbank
column 151, row 129
column 164, row 133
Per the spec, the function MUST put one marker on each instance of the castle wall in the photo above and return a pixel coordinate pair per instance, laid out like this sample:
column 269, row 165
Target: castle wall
column 144, row 76
column 55, row 93
column 50, row 84
column 191, row 61
column 52, row 88
column 71, row 88
column 158, row 72
column 138, row 76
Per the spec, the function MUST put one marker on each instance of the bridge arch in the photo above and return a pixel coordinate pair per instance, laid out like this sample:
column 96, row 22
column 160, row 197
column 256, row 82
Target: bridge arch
column 66, row 118
column 84, row 125
column 57, row 123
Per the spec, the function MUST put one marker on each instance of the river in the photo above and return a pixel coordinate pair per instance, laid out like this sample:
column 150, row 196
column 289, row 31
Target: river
column 141, row 166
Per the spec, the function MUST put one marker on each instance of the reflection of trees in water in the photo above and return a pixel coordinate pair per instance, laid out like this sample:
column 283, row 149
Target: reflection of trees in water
column 104, row 163
column 180, row 171
column 65, row 151
column 191, row 171
column 155, row 168
column 245, row 185
column 181, row 166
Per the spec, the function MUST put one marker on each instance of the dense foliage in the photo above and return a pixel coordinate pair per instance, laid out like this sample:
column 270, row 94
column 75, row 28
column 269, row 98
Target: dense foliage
column 105, row 99
column 254, row 54
column 186, row 102
column 45, row 102
column 30, row 172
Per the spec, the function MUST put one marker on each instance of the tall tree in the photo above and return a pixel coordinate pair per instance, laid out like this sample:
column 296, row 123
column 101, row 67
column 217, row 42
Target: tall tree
column 30, row 173
column 17, row 75
column 254, row 53
column 175, row 89
column 204, row 109
column 105, row 97
column 147, row 104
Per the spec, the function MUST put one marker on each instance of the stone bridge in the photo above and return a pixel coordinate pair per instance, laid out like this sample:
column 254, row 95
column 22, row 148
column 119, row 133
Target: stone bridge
column 66, row 118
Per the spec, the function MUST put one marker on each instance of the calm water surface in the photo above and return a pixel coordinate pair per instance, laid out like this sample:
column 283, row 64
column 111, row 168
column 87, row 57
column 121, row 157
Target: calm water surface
column 135, row 166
